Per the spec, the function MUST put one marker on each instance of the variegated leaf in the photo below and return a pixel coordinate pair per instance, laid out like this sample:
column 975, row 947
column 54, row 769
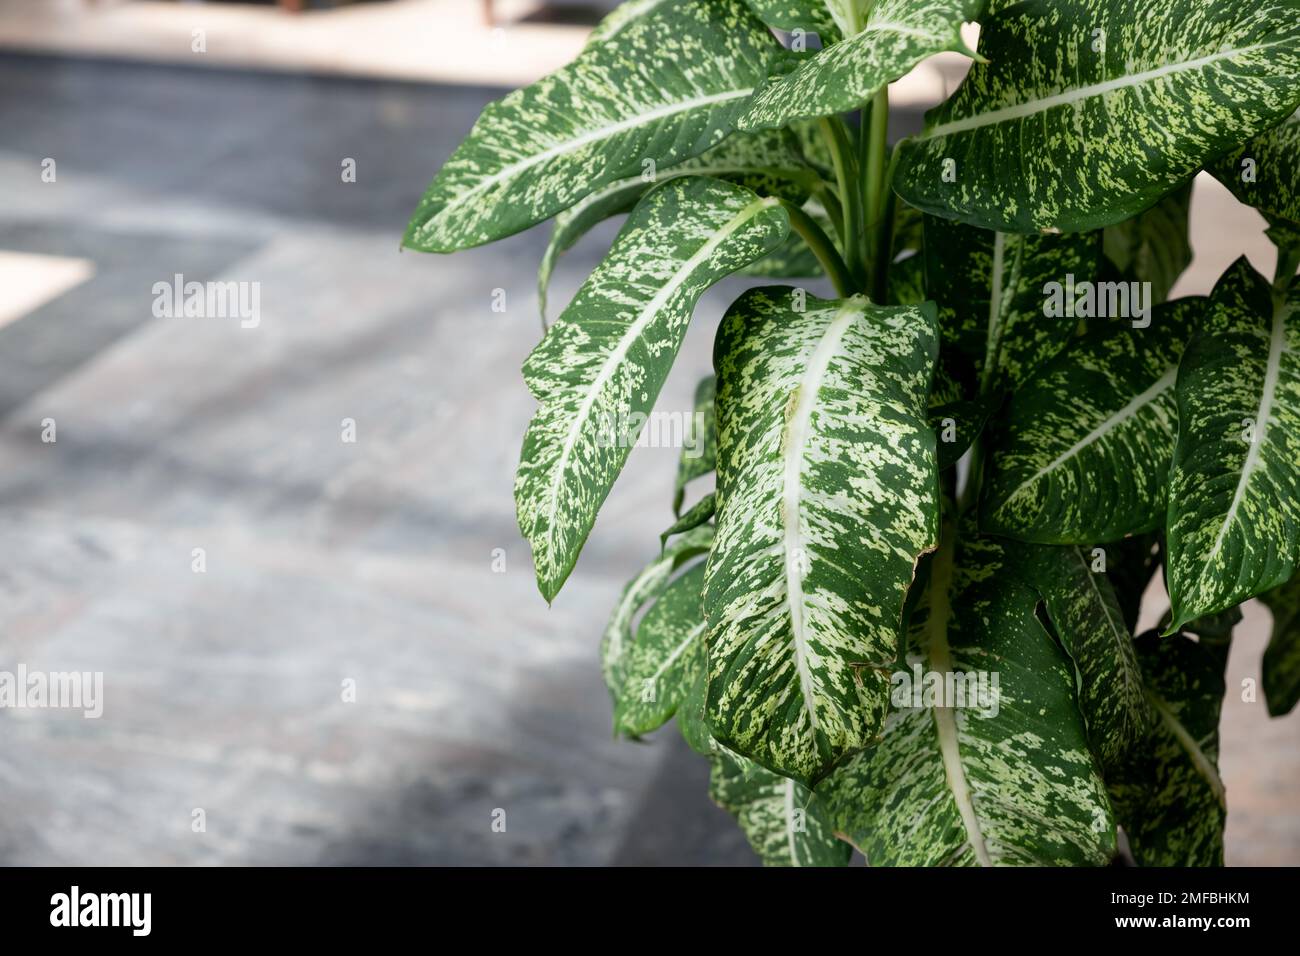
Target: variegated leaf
column 645, row 94
column 883, row 41
column 701, row 459
column 1081, row 455
column 1086, row 615
column 957, row 424
column 1153, row 246
column 1265, row 173
column 793, row 260
column 696, row 515
column 623, row 16
column 784, row 822
column 991, row 290
column 1130, row 565
column 1233, row 526
column 600, row 368
column 768, row 163
column 649, row 584
column 907, row 281
column 1282, row 657
column 827, row 494
column 810, row 16
column 664, row 658
column 1169, row 797
column 1005, row 779
column 691, row 716
column 1088, row 111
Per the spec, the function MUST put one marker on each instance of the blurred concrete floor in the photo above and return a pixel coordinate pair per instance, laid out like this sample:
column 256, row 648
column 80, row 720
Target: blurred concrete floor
column 328, row 561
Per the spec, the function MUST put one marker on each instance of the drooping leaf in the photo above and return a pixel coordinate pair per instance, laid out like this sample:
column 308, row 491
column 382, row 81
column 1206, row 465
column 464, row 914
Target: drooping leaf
column 990, row 287
column 644, row 94
column 957, row 424
column 827, row 494
column 1088, row 111
column 1082, row 453
column 897, row 35
column 1282, row 656
column 1083, row 609
column 1216, row 628
column 664, row 658
column 768, row 163
column 647, row 586
column 1169, row 797
column 695, row 516
column 1006, row 779
column 1265, row 173
column 607, row 357
column 1234, row 489
column 1153, row 246
column 698, row 461
column 691, row 716
column 783, row 820
column 1130, row 565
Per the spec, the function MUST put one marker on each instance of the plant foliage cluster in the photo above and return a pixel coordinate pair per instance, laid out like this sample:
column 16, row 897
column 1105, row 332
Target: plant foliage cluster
column 1001, row 284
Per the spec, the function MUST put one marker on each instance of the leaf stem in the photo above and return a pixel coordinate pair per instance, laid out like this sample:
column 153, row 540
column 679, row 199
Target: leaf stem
column 821, row 247
column 842, row 156
column 876, row 136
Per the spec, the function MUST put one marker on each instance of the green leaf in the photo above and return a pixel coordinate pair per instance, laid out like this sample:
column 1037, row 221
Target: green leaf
column 957, row 425
column 1082, row 452
column 1234, row 489
column 793, row 260
column 827, row 494
column 1083, row 609
column 645, row 94
column 1130, row 565
column 811, row 16
column 1153, row 246
column 703, row 457
column 768, row 163
column 664, row 658
column 697, row 515
column 1265, row 173
column 784, row 822
column 992, row 290
column 907, row 281
column 1282, row 656
column 649, row 585
column 623, row 16
column 1008, row 780
column 605, row 360
column 1169, row 797
column 690, row 715
column 897, row 35
column 1060, row 131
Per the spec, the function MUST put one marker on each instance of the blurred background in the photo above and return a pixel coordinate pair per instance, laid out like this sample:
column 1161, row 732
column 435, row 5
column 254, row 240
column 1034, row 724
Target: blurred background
column 363, row 672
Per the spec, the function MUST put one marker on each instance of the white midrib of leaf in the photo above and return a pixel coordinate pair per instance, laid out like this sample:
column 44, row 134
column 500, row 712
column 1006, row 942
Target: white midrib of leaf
column 792, row 449
column 593, row 136
column 945, row 719
column 1134, row 406
column 1204, row 766
column 678, row 651
column 1272, row 373
column 634, row 331
column 1030, row 107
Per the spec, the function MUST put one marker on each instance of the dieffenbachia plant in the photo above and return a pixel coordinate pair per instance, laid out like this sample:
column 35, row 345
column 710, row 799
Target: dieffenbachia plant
column 953, row 446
